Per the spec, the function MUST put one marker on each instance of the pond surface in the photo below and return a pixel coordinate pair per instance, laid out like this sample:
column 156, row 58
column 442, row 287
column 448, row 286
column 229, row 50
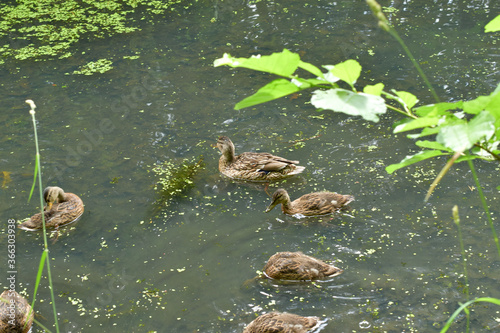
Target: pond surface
column 131, row 266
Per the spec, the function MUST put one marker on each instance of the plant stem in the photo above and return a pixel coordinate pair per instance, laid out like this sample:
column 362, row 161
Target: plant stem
column 384, row 24
column 394, row 34
column 456, row 218
column 495, row 156
column 46, row 248
column 485, row 205
column 401, row 111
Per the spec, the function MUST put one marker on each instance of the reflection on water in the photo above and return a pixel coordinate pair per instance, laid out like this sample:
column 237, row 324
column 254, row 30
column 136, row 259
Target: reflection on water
column 123, row 267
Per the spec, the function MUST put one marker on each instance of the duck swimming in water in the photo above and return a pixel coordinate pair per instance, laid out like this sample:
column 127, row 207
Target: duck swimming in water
column 317, row 203
column 62, row 209
column 255, row 167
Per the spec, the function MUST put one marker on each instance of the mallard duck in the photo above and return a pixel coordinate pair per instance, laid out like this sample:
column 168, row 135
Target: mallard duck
column 317, row 203
column 17, row 319
column 62, row 208
column 256, row 167
column 298, row 266
column 281, row 322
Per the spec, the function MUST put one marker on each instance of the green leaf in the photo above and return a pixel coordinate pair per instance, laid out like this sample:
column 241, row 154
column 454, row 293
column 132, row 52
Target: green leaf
column 481, row 126
column 425, row 132
column 438, row 109
column 283, row 63
column 477, row 104
column 273, row 90
column 35, row 174
column 351, row 103
column 462, row 136
column 468, row 157
column 463, row 306
column 374, row 89
column 411, row 159
column 494, row 105
column 493, row 26
column 311, row 68
column 407, row 98
column 431, row 145
column 347, row 71
column 417, row 123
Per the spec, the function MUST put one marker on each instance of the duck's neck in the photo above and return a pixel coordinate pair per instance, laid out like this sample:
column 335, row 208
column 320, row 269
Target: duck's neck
column 61, row 196
column 287, row 206
column 228, row 154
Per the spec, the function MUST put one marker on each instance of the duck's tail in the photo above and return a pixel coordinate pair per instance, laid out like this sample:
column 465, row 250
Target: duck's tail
column 298, row 169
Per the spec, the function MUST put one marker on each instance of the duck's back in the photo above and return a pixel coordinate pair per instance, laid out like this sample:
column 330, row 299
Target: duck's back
column 277, row 322
column 321, row 203
column 23, row 316
column 259, row 167
column 65, row 212
column 298, row 266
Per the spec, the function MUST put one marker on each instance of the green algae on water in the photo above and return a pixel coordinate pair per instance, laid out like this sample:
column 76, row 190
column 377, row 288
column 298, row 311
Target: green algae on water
column 48, row 29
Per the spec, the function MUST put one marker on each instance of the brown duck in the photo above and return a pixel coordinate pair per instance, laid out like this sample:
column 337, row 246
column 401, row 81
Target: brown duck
column 255, row 167
column 317, row 203
column 23, row 314
column 281, row 322
column 298, row 266
column 62, row 209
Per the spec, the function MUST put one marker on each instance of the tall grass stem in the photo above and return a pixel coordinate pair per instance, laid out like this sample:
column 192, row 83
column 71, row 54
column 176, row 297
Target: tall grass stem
column 456, row 218
column 45, row 255
column 485, row 205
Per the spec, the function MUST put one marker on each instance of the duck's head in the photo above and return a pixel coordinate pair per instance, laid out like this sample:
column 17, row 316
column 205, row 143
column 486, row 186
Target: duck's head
column 53, row 194
column 280, row 196
column 225, row 146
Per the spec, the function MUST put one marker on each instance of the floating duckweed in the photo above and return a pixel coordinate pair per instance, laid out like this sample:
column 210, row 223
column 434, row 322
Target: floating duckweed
column 54, row 26
column 99, row 66
column 173, row 179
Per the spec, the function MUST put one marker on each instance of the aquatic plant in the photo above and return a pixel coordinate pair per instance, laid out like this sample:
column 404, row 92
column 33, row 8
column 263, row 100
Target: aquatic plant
column 174, row 178
column 99, row 66
column 48, row 29
column 45, row 258
column 462, row 130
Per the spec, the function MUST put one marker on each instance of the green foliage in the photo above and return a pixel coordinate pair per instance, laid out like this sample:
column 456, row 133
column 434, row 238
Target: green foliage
column 457, row 126
column 328, row 95
column 47, row 29
column 463, row 307
column 355, row 104
column 493, row 26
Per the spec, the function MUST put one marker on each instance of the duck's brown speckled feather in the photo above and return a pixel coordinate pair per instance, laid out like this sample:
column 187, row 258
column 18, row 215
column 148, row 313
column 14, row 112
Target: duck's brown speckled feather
column 281, row 322
column 64, row 211
column 23, row 316
column 317, row 203
column 257, row 167
column 298, row 266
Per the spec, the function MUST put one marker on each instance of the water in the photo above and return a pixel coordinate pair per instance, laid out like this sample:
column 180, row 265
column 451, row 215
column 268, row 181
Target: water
column 123, row 267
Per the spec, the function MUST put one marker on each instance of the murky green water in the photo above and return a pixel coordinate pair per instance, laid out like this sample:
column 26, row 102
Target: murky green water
column 122, row 268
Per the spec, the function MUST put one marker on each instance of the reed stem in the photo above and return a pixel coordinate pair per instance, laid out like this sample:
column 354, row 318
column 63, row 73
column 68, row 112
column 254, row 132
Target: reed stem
column 45, row 257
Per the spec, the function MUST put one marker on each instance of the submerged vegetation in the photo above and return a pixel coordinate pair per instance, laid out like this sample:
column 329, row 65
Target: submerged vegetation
column 174, row 178
column 99, row 66
column 48, row 29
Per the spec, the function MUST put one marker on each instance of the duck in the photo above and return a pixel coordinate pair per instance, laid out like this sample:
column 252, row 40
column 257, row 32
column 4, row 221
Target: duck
column 23, row 315
column 317, row 203
column 298, row 266
column 282, row 322
column 62, row 209
column 254, row 167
